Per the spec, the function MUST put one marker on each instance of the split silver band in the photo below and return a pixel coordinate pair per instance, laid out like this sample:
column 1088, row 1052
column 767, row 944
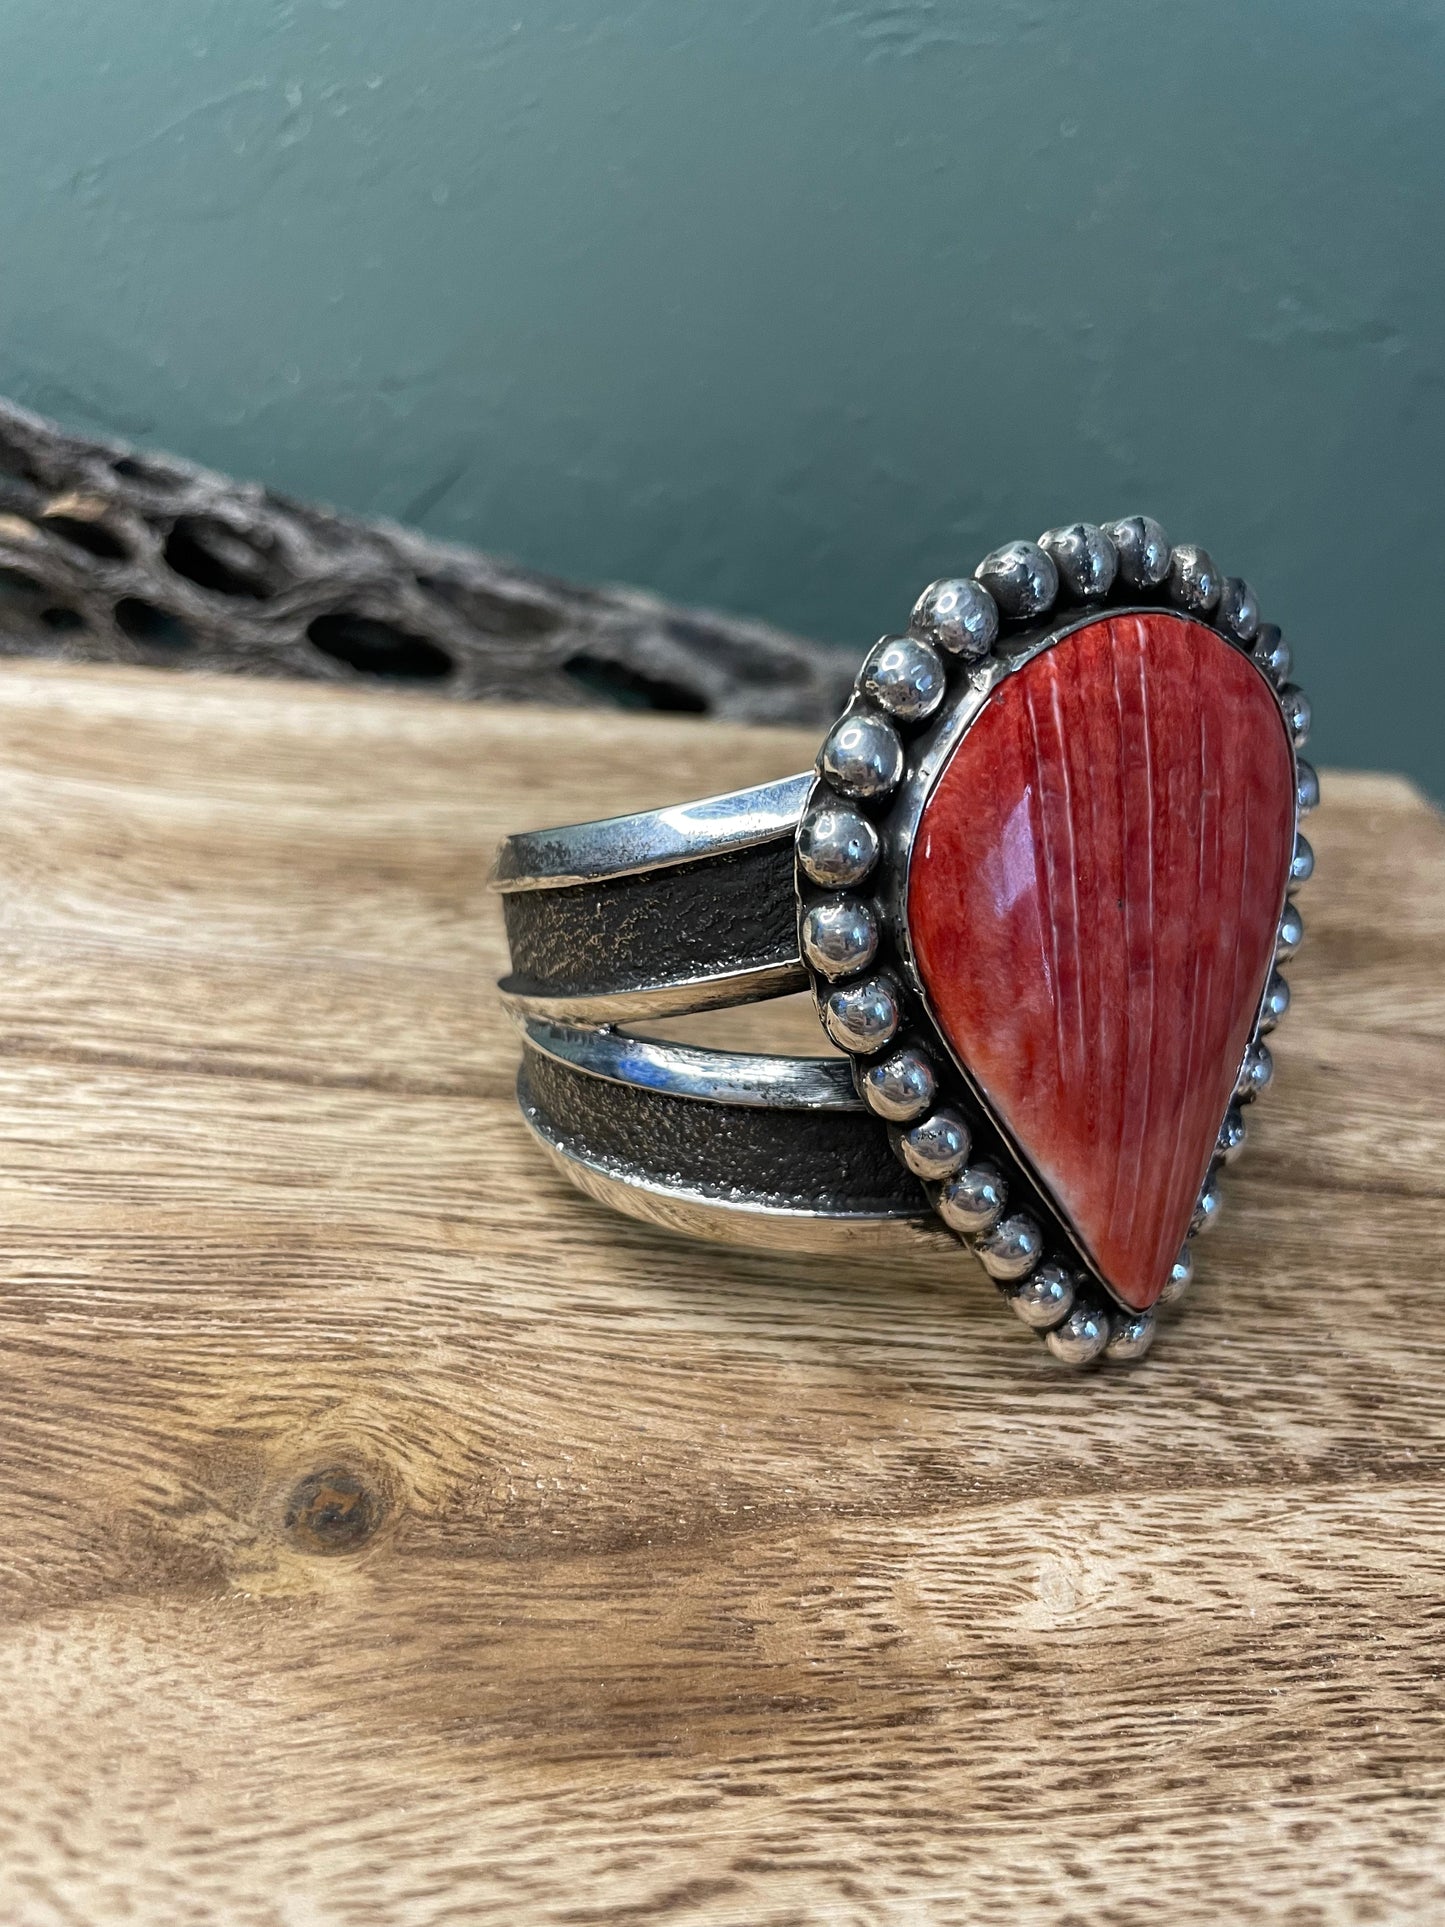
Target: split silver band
column 657, row 914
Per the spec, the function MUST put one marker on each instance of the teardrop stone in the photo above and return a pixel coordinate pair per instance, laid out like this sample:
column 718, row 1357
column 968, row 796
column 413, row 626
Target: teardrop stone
column 1092, row 903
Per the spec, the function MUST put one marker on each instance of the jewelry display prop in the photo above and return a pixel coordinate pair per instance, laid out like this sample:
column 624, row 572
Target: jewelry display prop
column 108, row 554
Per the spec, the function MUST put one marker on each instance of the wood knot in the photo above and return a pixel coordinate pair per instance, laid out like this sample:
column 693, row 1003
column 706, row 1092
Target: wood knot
column 333, row 1511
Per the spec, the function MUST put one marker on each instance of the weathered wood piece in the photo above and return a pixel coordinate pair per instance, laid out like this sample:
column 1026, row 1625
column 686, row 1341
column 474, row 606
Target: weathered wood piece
column 113, row 555
column 391, row 1536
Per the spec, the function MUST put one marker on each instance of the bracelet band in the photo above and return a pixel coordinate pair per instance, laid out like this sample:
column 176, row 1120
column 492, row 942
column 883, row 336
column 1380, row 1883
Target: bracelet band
column 658, row 913
column 743, row 1149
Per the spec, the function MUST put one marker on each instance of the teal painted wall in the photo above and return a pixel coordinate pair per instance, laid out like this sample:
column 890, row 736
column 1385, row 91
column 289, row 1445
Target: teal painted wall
column 785, row 307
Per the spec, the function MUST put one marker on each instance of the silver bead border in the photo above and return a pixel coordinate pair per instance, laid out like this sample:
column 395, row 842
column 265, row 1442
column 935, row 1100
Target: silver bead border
column 902, row 1067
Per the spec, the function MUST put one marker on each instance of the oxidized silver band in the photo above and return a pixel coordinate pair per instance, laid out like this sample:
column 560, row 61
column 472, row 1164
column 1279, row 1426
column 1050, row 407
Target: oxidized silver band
column 651, row 915
column 756, row 894
column 603, row 923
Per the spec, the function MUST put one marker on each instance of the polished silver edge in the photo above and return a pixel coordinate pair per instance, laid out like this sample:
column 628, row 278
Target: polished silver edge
column 622, row 846
column 749, row 1078
column 745, row 1222
column 676, row 998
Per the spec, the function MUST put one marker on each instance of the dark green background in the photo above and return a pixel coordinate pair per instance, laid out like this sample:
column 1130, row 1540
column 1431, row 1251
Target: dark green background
column 786, row 307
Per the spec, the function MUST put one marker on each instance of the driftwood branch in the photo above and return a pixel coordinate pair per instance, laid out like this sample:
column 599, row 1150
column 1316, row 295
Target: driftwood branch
column 108, row 554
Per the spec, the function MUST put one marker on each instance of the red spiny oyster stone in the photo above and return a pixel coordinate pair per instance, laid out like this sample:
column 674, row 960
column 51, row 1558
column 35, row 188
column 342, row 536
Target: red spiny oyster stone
column 1092, row 902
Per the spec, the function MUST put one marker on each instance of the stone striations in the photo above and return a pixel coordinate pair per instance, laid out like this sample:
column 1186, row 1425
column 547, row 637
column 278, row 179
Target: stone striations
column 1092, row 903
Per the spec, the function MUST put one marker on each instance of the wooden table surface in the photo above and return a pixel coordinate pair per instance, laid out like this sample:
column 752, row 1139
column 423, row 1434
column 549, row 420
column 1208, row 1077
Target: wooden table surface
column 391, row 1536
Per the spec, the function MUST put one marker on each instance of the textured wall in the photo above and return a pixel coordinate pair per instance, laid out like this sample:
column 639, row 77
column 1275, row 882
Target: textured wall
column 786, row 307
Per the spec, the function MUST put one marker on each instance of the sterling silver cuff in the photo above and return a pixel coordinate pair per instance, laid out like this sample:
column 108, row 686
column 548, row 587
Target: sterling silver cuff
column 1098, row 724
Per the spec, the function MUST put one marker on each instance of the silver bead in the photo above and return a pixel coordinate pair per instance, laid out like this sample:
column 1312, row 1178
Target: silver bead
column 1143, row 550
column 1021, row 579
column 837, row 845
column 1232, row 1133
column 1276, row 1002
column 840, row 936
column 1179, row 1280
column 1043, row 1298
column 973, row 1202
column 1012, row 1248
column 1256, row 1073
column 901, row 1088
column 956, row 614
column 1085, row 558
column 863, row 756
column 1193, row 579
column 936, row 1148
column 1297, row 713
column 1302, row 863
column 1207, row 1210
column 1130, row 1335
column 1291, row 932
column 904, row 676
column 1238, row 612
column 1081, row 1337
column 1272, row 652
column 1307, row 786
column 862, row 1017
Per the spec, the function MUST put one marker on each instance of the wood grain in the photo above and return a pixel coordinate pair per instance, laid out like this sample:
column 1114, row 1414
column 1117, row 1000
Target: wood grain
column 390, row 1536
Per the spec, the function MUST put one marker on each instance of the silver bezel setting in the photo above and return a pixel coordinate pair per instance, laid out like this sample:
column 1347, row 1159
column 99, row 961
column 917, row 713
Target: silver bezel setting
column 1033, row 595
